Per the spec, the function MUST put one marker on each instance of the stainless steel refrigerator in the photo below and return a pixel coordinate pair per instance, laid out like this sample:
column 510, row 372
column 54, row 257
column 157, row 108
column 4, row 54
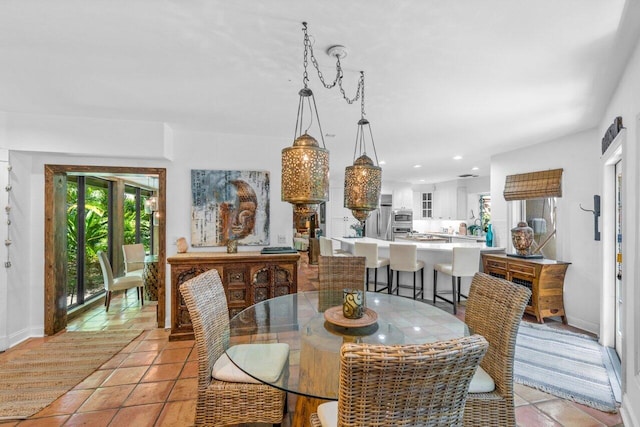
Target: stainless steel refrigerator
column 378, row 225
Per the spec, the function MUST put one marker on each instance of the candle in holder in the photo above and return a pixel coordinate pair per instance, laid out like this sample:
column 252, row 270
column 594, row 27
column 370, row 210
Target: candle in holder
column 352, row 303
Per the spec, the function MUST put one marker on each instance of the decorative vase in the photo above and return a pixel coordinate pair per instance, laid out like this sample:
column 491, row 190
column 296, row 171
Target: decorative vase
column 232, row 246
column 489, row 236
column 522, row 238
column 181, row 245
column 352, row 307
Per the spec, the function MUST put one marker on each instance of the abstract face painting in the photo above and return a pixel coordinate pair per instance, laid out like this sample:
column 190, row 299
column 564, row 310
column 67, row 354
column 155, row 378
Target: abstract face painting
column 229, row 205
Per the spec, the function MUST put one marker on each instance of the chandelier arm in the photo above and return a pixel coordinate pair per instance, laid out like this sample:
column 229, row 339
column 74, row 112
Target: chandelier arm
column 318, row 119
column 310, row 115
column 298, row 116
column 355, row 146
column 375, row 154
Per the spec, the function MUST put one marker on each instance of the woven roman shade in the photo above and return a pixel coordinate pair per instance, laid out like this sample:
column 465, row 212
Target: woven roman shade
column 533, row 185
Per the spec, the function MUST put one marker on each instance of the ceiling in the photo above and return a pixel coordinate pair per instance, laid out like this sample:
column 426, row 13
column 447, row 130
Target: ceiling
column 443, row 78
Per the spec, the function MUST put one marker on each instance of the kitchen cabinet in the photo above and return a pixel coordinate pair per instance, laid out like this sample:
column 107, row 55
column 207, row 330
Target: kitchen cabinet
column 247, row 278
column 449, row 201
column 341, row 217
column 544, row 277
column 402, row 198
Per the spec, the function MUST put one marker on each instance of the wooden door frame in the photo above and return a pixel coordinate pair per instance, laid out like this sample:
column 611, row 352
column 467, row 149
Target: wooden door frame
column 53, row 309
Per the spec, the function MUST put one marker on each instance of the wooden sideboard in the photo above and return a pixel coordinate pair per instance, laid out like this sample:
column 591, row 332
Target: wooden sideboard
column 544, row 277
column 247, row 277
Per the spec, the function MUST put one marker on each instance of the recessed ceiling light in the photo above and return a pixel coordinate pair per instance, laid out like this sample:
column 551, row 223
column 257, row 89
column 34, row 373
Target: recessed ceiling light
column 422, row 180
column 475, row 168
column 417, row 166
column 457, row 157
column 382, row 162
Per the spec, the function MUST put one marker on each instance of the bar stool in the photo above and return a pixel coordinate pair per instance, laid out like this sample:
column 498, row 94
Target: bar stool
column 465, row 263
column 405, row 258
column 326, row 248
column 370, row 252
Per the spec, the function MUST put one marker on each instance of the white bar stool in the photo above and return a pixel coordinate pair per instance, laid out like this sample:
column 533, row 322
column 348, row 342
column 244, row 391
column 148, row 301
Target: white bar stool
column 370, row 252
column 465, row 263
column 326, row 248
column 405, row 258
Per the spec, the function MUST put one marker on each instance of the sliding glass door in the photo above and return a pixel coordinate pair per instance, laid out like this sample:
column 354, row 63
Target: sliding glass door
column 88, row 213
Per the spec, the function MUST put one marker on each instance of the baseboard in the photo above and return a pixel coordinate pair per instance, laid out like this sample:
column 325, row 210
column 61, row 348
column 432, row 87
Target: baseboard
column 20, row 336
column 629, row 418
column 594, row 328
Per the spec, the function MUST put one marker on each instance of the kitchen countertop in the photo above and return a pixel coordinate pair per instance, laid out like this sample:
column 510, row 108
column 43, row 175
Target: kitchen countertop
column 459, row 236
column 440, row 247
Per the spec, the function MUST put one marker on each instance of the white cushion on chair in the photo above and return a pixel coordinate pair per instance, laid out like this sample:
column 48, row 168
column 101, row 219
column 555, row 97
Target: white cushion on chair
column 481, row 382
column 328, row 414
column 266, row 360
column 444, row 268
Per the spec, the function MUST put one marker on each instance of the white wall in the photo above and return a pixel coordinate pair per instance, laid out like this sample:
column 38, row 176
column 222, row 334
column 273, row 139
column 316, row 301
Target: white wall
column 626, row 103
column 4, row 250
column 578, row 156
column 55, row 144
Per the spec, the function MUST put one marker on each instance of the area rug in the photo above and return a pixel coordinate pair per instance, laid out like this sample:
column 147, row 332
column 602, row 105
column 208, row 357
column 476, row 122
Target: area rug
column 36, row 378
column 565, row 364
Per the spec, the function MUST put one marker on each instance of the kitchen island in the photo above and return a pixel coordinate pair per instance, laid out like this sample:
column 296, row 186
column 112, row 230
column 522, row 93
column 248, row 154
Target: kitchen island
column 430, row 252
column 446, row 237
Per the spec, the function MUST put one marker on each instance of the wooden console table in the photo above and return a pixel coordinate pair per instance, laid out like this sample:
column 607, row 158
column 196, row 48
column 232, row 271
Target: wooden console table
column 544, row 277
column 247, row 277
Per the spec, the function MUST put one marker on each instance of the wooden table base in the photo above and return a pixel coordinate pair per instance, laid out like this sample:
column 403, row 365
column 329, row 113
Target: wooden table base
column 305, row 406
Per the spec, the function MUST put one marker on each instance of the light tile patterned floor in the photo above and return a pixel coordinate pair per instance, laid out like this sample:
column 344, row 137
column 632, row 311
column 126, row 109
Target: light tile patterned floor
column 152, row 382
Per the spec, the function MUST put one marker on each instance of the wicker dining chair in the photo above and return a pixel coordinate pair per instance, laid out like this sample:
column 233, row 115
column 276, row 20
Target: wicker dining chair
column 408, row 385
column 336, row 273
column 494, row 310
column 221, row 402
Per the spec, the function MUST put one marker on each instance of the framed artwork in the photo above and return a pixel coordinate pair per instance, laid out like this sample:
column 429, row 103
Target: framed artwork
column 227, row 204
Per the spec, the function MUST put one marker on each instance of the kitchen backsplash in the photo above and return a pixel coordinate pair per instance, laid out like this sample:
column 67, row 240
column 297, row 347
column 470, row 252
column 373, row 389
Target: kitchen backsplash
column 437, row 225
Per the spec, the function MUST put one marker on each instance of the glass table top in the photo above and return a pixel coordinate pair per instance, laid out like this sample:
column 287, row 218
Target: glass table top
column 314, row 344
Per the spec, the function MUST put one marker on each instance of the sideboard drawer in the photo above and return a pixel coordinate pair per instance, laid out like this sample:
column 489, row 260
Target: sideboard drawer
column 527, row 270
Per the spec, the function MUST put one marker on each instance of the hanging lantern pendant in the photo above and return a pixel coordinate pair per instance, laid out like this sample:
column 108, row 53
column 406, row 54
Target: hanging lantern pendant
column 362, row 181
column 305, row 166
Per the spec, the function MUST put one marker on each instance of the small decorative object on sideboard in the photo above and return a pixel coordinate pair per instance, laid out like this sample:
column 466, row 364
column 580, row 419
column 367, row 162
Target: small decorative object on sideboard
column 232, row 245
column 181, row 245
column 522, row 238
column 489, row 236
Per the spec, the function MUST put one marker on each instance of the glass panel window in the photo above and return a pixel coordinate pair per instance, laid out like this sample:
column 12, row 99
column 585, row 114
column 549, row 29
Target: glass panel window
column 485, row 211
column 96, row 234
column 427, row 205
column 72, row 242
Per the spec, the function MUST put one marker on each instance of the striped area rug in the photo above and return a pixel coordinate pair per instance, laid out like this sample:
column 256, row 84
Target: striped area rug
column 565, row 364
column 33, row 380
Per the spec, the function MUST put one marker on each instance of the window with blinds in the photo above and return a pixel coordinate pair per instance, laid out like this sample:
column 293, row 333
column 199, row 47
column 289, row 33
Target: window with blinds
column 533, row 185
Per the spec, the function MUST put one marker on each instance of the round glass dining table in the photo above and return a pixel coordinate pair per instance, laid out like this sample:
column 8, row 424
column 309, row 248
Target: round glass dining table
column 314, row 343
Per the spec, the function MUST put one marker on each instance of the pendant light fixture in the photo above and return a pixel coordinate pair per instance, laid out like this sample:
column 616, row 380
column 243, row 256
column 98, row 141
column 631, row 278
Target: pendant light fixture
column 363, row 179
column 305, row 165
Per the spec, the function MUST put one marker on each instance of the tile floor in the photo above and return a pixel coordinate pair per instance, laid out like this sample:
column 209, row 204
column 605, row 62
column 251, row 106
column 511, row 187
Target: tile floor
column 152, row 382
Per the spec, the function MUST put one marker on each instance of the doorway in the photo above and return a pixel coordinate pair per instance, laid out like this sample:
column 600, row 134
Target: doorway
column 613, row 191
column 56, row 266
column 618, row 261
